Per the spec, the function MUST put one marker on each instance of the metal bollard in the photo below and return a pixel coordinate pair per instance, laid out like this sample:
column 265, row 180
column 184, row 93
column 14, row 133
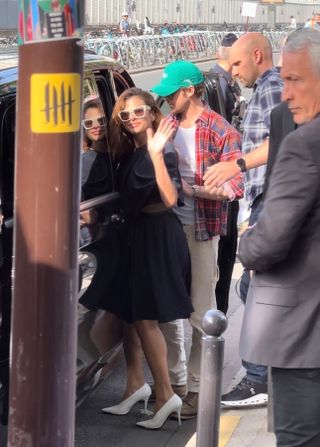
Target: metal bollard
column 214, row 323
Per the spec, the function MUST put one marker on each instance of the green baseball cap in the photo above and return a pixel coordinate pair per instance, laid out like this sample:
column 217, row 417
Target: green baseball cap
column 176, row 75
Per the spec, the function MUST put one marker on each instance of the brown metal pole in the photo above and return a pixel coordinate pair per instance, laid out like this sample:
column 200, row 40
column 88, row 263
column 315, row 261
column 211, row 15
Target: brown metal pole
column 46, row 221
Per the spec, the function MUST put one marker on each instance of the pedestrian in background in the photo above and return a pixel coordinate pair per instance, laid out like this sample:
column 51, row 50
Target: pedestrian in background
column 228, row 243
column 314, row 22
column 293, row 23
column 124, row 25
column 282, row 309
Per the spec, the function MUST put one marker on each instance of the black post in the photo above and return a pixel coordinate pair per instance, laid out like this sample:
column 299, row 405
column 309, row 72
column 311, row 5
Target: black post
column 46, row 221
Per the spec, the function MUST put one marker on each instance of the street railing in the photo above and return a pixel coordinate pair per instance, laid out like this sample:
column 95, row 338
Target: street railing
column 146, row 51
column 136, row 52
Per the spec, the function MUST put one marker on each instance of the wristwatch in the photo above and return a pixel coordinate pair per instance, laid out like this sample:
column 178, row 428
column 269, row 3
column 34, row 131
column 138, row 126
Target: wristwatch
column 242, row 164
column 195, row 189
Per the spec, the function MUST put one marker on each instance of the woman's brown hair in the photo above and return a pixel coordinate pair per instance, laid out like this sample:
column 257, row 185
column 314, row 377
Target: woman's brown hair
column 121, row 141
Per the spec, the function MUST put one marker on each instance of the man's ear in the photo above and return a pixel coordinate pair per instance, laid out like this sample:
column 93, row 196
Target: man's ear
column 257, row 56
column 189, row 91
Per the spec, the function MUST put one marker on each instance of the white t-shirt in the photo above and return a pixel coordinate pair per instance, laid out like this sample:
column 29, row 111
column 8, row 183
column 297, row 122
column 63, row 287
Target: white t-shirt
column 184, row 143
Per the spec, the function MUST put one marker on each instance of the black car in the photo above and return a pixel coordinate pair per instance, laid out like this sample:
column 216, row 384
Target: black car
column 104, row 79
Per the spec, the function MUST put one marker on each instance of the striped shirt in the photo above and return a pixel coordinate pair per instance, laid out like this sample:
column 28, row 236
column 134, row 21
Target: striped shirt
column 215, row 140
column 256, row 124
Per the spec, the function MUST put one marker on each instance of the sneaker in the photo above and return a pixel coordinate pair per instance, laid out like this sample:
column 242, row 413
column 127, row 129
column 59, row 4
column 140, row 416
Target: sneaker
column 246, row 394
column 189, row 407
column 180, row 390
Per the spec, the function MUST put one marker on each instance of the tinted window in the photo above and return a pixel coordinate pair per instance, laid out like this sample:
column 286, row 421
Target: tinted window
column 7, row 128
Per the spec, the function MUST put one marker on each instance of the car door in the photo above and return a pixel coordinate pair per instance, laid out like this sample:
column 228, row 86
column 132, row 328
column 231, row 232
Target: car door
column 213, row 94
column 99, row 256
column 104, row 85
column 7, row 126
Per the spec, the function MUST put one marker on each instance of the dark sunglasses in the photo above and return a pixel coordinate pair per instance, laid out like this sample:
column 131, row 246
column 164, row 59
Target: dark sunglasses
column 90, row 123
column 170, row 97
column 136, row 112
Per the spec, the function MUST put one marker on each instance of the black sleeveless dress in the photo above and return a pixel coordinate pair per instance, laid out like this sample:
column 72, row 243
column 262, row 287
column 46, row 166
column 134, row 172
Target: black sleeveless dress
column 156, row 262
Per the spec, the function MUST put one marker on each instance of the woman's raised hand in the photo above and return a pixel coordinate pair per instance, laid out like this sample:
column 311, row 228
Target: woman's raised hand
column 157, row 140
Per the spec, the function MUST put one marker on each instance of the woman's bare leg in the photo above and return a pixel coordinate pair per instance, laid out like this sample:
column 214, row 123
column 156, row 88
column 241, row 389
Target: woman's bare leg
column 106, row 332
column 134, row 359
column 155, row 350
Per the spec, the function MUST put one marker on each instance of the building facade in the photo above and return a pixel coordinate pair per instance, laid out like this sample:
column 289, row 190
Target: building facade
column 108, row 12
column 100, row 12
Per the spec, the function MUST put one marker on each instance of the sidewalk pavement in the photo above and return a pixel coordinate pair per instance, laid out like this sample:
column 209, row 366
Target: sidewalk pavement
column 238, row 428
column 247, row 427
column 243, row 428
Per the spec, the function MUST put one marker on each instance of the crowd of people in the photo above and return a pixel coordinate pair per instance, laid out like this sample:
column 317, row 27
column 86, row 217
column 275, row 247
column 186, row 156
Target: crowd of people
column 180, row 178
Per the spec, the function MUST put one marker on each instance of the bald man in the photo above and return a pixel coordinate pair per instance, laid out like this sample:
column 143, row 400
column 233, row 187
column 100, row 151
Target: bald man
column 247, row 70
column 252, row 65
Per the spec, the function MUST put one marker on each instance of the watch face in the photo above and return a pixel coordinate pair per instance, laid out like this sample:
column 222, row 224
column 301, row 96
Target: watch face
column 195, row 189
column 242, row 164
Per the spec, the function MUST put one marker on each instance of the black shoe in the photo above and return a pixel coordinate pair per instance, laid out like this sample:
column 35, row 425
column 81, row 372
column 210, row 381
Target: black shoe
column 246, row 394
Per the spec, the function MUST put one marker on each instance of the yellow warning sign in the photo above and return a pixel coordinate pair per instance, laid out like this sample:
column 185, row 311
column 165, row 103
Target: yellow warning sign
column 55, row 102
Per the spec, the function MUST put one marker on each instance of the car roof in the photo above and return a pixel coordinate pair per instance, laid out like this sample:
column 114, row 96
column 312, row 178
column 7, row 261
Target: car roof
column 9, row 65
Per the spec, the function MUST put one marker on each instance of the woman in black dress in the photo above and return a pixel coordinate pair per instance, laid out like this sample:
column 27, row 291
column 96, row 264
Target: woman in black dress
column 97, row 178
column 158, row 273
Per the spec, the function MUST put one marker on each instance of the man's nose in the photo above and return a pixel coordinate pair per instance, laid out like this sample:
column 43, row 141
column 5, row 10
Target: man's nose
column 286, row 93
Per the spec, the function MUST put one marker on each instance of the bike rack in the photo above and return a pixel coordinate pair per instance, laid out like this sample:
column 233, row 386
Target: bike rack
column 148, row 50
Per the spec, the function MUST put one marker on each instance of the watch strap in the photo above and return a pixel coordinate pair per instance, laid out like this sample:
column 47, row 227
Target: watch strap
column 242, row 164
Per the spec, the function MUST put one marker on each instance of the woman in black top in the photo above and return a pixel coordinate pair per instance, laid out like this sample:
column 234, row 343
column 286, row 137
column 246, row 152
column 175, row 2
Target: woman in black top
column 158, row 267
column 97, row 166
column 97, row 178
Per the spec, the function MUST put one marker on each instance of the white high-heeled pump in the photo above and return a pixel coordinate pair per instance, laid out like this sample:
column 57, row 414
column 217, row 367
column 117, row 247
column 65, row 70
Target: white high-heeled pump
column 125, row 406
column 173, row 405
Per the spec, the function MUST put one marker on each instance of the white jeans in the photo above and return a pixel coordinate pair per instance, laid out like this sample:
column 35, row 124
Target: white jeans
column 177, row 362
column 204, row 268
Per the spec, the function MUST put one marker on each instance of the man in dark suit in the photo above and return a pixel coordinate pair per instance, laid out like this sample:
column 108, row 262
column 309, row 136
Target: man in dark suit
column 281, row 326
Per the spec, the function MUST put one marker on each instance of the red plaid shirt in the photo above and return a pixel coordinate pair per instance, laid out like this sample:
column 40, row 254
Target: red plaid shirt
column 216, row 140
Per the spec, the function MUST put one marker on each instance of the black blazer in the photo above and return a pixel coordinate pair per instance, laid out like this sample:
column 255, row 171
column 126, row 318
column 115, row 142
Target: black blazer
column 281, row 324
column 281, row 124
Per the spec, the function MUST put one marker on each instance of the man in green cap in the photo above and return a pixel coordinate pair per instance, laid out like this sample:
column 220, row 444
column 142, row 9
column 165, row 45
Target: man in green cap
column 202, row 138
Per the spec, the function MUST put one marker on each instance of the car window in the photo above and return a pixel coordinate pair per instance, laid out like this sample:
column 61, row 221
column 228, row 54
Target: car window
column 89, row 88
column 163, row 105
column 7, row 128
column 106, row 95
column 122, row 81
